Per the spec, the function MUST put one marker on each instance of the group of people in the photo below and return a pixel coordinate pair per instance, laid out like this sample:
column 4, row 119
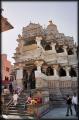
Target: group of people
column 9, row 90
column 71, row 101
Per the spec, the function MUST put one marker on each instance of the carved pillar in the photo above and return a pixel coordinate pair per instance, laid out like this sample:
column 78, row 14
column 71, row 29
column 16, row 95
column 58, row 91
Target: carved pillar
column 39, row 81
column 19, row 77
column 55, row 70
column 38, row 64
column 65, row 50
column 75, row 53
column 38, row 40
column 67, row 71
column 53, row 47
column 28, row 83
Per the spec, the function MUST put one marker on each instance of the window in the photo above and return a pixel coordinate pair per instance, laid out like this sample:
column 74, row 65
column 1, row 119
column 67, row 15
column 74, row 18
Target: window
column 49, row 71
column 59, row 49
column 7, row 69
column 6, row 78
column 29, row 42
column 72, row 72
column 62, row 72
column 48, row 47
column 69, row 51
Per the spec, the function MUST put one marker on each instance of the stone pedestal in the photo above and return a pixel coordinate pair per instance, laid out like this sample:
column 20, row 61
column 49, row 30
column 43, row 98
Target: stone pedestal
column 38, row 40
column 65, row 49
column 53, row 47
column 55, row 67
column 67, row 71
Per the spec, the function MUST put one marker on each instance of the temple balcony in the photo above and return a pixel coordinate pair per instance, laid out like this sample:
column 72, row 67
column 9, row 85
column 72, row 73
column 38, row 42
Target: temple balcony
column 53, row 77
column 29, row 47
column 48, row 52
column 74, row 78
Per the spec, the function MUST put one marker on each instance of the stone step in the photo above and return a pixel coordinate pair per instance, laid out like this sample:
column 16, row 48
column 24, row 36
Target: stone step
column 12, row 107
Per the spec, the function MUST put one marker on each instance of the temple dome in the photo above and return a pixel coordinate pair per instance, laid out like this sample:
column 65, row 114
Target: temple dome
column 52, row 27
column 32, row 30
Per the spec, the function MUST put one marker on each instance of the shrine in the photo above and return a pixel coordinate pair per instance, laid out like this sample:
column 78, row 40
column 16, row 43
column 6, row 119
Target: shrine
column 46, row 60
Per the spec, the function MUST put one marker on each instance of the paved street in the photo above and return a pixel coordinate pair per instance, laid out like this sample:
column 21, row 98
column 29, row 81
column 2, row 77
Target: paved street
column 59, row 113
column 56, row 113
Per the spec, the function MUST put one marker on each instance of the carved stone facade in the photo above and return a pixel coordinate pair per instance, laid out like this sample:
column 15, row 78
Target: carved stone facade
column 45, row 58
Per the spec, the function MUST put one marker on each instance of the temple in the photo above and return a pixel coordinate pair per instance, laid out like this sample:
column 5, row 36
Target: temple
column 46, row 59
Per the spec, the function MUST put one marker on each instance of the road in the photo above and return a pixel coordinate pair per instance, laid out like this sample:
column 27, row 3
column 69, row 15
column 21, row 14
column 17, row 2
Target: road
column 59, row 113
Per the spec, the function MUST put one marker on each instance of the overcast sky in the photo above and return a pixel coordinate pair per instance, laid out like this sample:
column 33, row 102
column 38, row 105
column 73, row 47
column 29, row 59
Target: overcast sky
column 19, row 14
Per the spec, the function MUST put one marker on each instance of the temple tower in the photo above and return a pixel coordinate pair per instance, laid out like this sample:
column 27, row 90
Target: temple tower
column 45, row 58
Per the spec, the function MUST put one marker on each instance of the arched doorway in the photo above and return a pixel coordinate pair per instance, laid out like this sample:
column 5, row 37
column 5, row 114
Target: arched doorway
column 62, row 72
column 48, row 47
column 59, row 48
column 72, row 72
column 32, row 78
column 70, row 51
column 49, row 71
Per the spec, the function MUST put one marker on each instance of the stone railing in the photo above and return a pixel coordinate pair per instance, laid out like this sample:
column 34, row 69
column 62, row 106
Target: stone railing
column 41, row 80
column 29, row 47
column 74, row 78
column 51, row 81
column 52, row 77
column 43, row 76
column 29, row 55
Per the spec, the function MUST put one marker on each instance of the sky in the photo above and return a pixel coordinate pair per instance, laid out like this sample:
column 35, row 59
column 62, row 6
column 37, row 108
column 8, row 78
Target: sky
column 19, row 14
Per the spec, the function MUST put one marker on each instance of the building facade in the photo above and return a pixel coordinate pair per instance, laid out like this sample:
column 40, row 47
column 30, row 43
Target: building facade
column 5, row 64
column 45, row 58
column 6, row 68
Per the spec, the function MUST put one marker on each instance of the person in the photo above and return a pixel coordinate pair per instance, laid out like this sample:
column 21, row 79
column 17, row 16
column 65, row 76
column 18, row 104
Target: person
column 18, row 89
column 69, row 105
column 74, row 102
column 11, row 88
column 15, row 98
column 5, row 90
column 28, row 100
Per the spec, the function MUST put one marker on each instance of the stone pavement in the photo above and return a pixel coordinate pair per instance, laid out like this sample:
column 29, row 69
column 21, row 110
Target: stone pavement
column 59, row 113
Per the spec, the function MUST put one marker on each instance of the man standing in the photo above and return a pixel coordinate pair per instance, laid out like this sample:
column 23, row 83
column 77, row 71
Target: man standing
column 69, row 105
column 74, row 102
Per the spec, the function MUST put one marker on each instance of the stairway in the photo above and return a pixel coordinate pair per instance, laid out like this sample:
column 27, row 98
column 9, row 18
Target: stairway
column 19, row 109
column 66, row 91
column 56, row 98
column 7, row 98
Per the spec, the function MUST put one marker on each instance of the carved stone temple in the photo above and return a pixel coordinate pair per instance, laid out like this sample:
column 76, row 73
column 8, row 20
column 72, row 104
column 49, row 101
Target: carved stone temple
column 47, row 59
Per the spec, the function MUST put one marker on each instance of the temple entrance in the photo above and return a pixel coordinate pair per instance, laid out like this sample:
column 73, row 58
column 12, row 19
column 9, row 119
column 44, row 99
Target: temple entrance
column 32, row 79
column 29, row 79
column 25, row 78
